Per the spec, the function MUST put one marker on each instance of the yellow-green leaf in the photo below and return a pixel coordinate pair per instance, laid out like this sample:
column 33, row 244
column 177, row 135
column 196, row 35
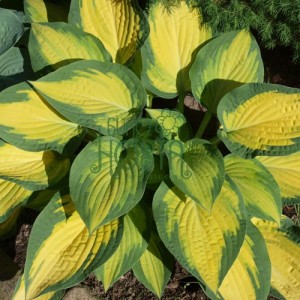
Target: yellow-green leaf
column 286, row 171
column 205, row 244
column 133, row 244
column 283, row 245
column 155, row 266
column 170, row 121
column 59, row 44
column 12, row 195
column 261, row 119
column 120, row 25
column 61, row 252
column 46, row 10
column 197, row 168
column 108, row 179
column 19, row 293
column 259, row 189
column 249, row 277
column 175, row 35
column 224, row 64
column 29, row 123
column 32, row 170
column 104, row 96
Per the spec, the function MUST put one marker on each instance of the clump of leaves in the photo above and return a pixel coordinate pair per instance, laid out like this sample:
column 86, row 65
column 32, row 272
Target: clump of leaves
column 134, row 186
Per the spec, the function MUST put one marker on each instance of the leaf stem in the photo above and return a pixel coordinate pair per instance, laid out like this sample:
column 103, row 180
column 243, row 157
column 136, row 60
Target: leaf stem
column 149, row 100
column 180, row 104
column 215, row 140
column 203, row 125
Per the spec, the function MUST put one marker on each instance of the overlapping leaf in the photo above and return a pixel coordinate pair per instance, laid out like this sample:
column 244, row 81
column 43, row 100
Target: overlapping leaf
column 19, row 293
column 205, row 244
column 224, row 64
column 32, row 170
column 58, row 44
column 12, row 195
column 155, row 266
column 197, row 168
column 283, row 245
column 120, row 25
column 108, row 179
column 8, row 227
column 11, row 29
column 261, row 119
column 46, row 10
column 249, row 277
column 133, row 244
column 61, row 251
column 29, row 123
column 259, row 189
column 286, row 171
column 175, row 35
column 104, row 96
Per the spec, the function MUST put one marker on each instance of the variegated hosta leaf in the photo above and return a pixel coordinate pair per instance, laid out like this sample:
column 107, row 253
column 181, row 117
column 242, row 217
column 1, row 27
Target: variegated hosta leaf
column 104, row 96
column 12, row 195
column 108, row 179
column 46, row 10
column 175, row 35
column 61, row 251
column 29, row 123
column 120, row 25
column 286, row 171
column 249, row 277
column 8, row 226
column 155, row 266
column 169, row 120
column 284, row 250
column 11, row 29
column 133, row 244
column 197, row 168
column 32, row 170
column 19, row 293
column 224, row 64
column 261, row 119
column 259, row 189
column 205, row 244
column 58, row 44
column 39, row 200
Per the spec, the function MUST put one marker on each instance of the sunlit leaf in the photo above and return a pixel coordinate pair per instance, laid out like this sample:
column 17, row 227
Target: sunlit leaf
column 120, row 25
column 197, row 168
column 108, row 179
column 286, row 171
column 32, row 170
column 58, row 44
column 205, row 244
column 283, row 245
column 28, row 122
column 259, row 189
column 104, row 96
column 224, row 64
column 175, row 35
column 261, row 119
column 61, row 252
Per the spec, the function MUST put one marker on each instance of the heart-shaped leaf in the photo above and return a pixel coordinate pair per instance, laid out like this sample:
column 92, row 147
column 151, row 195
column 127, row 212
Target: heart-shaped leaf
column 108, row 179
column 205, row 244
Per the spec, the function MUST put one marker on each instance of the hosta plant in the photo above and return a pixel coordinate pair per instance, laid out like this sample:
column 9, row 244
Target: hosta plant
column 130, row 185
